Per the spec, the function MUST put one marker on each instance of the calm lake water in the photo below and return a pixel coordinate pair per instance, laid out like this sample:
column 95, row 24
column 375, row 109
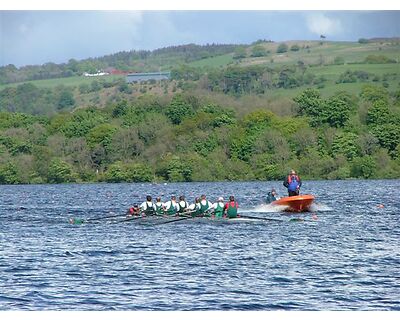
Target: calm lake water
column 347, row 257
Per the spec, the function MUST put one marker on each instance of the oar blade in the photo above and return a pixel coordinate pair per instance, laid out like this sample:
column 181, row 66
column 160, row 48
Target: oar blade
column 76, row 221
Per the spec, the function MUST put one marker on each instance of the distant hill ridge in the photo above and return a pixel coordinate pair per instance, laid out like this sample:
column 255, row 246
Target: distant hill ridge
column 125, row 61
column 163, row 59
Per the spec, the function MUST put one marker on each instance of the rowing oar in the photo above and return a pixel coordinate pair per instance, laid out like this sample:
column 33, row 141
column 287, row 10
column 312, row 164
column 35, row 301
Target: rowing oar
column 80, row 221
column 259, row 218
column 140, row 216
column 184, row 217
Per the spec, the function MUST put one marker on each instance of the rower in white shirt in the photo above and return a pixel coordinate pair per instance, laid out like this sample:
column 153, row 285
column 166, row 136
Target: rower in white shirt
column 148, row 206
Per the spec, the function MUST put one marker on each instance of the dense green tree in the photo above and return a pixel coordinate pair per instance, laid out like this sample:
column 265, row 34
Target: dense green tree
column 363, row 40
column 60, row 172
column 125, row 88
column 9, row 174
column 364, row 167
column 288, row 78
column 65, row 100
column 116, row 173
column 346, row 143
column 373, row 93
column 173, row 168
column 139, row 172
column 185, row 72
column 81, row 123
column 125, row 144
column 388, row 136
column 265, row 168
column 337, row 112
column 258, row 51
column 101, row 134
column 347, row 77
column 283, row 47
column 311, row 104
column 295, row 47
column 369, row 143
column 304, row 140
column 240, row 53
column 378, row 113
column 179, row 109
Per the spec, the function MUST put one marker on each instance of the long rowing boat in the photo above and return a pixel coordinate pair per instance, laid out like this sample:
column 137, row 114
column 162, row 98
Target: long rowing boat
column 300, row 203
column 163, row 219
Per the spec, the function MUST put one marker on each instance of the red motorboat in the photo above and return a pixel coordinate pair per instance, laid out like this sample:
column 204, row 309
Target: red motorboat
column 296, row 203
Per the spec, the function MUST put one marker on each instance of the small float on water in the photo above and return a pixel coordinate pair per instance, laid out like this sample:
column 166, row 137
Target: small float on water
column 299, row 203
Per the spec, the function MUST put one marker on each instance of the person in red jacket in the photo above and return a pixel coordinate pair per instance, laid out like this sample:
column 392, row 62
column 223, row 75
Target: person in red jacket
column 134, row 210
column 231, row 208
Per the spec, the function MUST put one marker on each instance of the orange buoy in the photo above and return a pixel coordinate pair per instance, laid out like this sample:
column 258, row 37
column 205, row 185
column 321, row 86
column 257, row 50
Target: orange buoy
column 380, row 206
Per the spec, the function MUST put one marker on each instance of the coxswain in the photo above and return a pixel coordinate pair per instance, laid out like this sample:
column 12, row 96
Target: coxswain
column 231, row 208
column 134, row 210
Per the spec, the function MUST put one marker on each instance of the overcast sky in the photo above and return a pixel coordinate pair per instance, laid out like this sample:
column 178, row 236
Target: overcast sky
column 37, row 37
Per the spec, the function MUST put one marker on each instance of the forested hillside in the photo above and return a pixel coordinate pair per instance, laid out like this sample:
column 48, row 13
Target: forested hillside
column 329, row 110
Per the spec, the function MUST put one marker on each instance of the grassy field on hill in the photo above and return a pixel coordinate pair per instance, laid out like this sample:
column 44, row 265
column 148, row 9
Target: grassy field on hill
column 213, row 62
column 311, row 52
column 70, row 81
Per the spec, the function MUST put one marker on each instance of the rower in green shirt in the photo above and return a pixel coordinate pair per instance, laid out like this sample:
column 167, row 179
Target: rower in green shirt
column 219, row 207
column 171, row 207
column 205, row 206
column 159, row 206
column 194, row 208
column 183, row 205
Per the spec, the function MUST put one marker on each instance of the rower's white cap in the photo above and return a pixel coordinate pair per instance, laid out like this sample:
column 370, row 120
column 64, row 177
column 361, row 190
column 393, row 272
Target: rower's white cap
column 220, row 199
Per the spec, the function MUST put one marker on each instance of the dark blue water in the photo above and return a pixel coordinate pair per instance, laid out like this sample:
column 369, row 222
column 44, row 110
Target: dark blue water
column 346, row 259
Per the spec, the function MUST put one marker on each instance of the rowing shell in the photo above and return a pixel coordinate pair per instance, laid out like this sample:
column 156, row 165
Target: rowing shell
column 296, row 203
column 195, row 219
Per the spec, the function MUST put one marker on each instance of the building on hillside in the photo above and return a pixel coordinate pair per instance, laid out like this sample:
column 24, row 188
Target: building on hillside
column 97, row 74
column 146, row 76
column 114, row 71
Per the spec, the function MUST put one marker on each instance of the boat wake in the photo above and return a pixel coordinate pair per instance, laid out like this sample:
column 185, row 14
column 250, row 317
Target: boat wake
column 320, row 207
column 267, row 208
column 264, row 208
